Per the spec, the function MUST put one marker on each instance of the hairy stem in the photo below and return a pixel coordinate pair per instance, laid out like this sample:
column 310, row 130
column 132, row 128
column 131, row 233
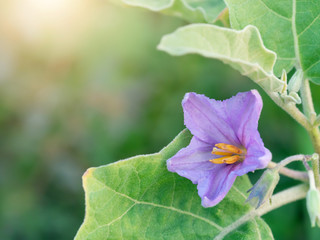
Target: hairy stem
column 317, row 121
column 315, row 137
column 314, row 132
column 282, row 198
column 286, row 161
column 307, row 102
column 297, row 175
column 291, row 109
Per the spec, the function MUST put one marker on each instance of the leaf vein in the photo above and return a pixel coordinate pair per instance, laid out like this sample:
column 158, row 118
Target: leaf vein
column 274, row 12
column 314, row 20
column 174, row 188
column 257, row 229
column 241, row 193
column 315, row 63
column 160, row 206
column 235, row 225
column 182, row 212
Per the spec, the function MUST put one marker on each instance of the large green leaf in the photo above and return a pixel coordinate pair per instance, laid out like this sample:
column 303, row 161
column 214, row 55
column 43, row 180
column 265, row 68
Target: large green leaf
column 291, row 28
column 243, row 50
column 139, row 198
column 190, row 10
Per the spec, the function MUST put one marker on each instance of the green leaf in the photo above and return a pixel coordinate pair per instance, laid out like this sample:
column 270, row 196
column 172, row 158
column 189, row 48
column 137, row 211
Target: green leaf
column 291, row 28
column 190, row 10
column 243, row 50
column 139, row 198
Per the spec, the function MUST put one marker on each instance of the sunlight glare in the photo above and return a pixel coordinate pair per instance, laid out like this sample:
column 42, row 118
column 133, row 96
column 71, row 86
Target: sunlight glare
column 36, row 18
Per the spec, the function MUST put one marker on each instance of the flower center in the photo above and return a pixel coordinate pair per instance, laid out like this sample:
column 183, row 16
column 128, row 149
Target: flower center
column 230, row 153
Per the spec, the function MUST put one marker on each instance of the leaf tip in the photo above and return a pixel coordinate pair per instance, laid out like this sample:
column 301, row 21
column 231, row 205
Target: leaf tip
column 87, row 173
column 161, row 46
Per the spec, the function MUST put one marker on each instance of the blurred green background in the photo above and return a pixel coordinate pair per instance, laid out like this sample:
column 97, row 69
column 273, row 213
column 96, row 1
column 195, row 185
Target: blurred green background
column 82, row 85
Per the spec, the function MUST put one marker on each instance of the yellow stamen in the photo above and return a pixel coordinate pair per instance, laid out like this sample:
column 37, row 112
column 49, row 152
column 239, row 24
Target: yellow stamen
column 229, row 148
column 227, row 153
column 227, row 160
column 217, row 151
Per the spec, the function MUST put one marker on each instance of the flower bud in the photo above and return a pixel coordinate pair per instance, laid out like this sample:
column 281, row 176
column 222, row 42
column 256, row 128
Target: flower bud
column 295, row 81
column 313, row 202
column 313, row 206
column 264, row 187
column 291, row 97
column 284, row 79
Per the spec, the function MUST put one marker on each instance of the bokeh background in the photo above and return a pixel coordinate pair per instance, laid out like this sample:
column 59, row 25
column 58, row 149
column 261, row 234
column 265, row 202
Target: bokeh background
column 82, row 85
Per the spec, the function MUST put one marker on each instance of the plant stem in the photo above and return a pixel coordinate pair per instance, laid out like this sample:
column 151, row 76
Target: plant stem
column 314, row 132
column 291, row 109
column 298, row 175
column 306, row 165
column 286, row 161
column 317, row 121
column 307, row 102
column 282, row 198
column 315, row 138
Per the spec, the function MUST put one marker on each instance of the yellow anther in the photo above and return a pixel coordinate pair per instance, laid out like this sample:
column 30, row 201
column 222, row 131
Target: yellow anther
column 228, row 147
column 227, row 153
column 217, row 151
column 227, row 160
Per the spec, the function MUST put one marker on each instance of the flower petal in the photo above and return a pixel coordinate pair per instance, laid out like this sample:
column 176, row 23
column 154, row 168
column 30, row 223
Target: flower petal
column 257, row 156
column 243, row 112
column 192, row 162
column 206, row 119
column 214, row 180
column 233, row 121
column 214, row 187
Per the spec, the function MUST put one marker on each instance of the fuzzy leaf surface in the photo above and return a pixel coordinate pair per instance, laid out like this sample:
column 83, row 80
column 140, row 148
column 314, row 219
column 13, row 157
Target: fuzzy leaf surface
column 291, row 28
column 190, row 10
column 243, row 50
column 139, row 198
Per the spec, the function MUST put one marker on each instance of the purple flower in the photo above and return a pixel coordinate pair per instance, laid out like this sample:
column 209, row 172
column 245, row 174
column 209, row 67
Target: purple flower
column 225, row 143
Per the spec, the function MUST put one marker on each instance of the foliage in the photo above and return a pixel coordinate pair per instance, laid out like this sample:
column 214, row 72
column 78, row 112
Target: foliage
column 117, row 195
column 296, row 23
column 243, row 50
column 193, row 11
column 93, row 90
column 247, row 46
